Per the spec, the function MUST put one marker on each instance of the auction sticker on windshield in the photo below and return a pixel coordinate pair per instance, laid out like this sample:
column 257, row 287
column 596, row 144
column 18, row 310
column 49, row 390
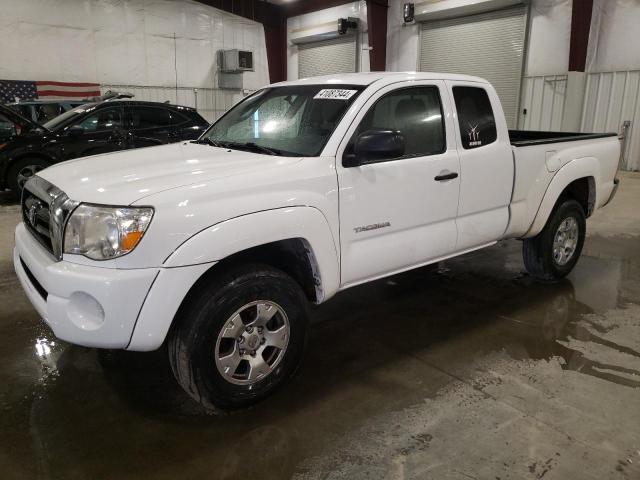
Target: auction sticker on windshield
column 335, row 94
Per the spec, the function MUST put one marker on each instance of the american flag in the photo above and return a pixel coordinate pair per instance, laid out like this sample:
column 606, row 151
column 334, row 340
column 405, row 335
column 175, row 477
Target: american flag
column 10, row 90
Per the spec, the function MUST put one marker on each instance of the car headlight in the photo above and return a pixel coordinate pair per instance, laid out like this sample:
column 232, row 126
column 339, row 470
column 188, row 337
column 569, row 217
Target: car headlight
column 103, row 233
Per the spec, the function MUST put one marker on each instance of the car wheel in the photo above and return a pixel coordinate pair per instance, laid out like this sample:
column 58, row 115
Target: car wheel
column 22, row 170
column 239, row 337
column 554, row 252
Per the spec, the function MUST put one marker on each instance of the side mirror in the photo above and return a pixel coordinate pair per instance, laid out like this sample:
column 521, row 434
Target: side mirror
column 75, row 131
column 374, row 146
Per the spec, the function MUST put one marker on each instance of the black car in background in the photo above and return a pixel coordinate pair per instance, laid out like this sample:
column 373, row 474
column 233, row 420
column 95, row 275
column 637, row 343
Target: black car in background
column 90, row 129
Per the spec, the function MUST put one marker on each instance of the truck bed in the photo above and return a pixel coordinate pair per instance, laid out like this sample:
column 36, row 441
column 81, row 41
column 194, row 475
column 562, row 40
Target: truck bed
column 523, row 138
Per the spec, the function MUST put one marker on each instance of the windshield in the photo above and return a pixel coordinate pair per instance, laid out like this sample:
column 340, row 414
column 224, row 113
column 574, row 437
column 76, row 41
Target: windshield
column 60, row 120
column 288, row 121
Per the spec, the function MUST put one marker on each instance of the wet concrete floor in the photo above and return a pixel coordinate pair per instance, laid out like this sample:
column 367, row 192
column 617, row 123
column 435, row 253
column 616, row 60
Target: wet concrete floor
column 465, row 370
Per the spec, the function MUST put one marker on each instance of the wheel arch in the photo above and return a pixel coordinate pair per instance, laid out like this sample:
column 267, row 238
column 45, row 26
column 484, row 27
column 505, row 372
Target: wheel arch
column 294, row 256
column 296, row 240
column 174, row 289
column 576, row 180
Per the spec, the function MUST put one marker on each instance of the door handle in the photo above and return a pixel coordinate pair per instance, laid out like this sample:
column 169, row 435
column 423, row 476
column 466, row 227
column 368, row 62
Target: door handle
column 445, row 176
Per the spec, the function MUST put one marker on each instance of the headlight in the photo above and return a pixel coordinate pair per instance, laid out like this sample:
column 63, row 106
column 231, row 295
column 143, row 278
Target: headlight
column 102, row 233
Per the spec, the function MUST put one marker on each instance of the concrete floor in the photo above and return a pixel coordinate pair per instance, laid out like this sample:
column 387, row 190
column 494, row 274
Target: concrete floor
column 470, row 371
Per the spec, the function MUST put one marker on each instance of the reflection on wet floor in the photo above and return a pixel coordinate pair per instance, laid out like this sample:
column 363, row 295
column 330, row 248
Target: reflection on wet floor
column 401, row 377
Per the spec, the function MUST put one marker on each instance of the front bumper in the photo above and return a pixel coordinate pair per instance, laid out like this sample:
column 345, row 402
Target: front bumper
column 84, row 305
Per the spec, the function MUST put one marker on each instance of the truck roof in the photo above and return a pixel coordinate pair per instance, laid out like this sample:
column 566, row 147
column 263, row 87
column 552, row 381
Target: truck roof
column 367, row 78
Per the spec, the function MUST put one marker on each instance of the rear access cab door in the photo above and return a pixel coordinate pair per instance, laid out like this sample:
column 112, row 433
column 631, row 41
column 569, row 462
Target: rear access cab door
column 486, row 164
column 102, row 131
column 151, row 125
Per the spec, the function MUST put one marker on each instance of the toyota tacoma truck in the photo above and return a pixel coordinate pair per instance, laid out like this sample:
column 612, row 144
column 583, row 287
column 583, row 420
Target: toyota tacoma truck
column 218, row 246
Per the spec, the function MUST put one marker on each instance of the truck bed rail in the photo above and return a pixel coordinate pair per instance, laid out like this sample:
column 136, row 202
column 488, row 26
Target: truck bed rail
column 523, row 138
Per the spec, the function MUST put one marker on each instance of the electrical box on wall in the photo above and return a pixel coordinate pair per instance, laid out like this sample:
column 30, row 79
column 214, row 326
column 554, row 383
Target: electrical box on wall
column 237, row 61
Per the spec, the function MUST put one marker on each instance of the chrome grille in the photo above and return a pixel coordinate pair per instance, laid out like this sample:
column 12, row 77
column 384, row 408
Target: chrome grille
column 45, row 210
column 35, row 215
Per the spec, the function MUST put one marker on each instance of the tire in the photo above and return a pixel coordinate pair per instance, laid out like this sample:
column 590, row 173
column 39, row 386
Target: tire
column 223, row 310
column 22, row 170
column 538, row 252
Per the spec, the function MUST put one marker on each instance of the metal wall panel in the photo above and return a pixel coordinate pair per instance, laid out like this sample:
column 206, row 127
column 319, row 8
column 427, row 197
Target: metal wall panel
column 212, row 102
column 488, row 45
column 325, row 57
column 610, row 99
column 543, row 98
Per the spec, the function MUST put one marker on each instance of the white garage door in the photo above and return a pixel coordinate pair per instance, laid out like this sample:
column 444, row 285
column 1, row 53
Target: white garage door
column 488, row 45
column 325, row 57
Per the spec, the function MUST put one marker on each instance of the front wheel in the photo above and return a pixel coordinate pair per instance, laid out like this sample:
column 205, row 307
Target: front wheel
column 554, row 252
column 240, row 338
column 20, row 172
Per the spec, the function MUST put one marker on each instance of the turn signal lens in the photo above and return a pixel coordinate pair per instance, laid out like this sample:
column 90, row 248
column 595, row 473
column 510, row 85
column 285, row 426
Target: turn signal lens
column 130, row 240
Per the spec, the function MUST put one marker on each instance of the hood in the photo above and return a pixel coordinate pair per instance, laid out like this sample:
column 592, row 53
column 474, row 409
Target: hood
column 21, row 123
column 122, row 178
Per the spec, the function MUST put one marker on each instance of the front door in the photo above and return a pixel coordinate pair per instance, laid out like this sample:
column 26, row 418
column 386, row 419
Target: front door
column 98, row 132
column 400, row 212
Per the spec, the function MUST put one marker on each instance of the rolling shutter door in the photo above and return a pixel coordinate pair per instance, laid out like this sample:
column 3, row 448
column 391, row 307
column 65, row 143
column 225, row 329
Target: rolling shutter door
column 325, row 57
column 488, row 45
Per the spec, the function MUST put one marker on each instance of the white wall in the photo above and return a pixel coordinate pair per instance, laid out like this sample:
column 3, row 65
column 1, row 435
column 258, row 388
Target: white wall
column 323, row 21
column 550, row 29
column 402, row 42
column 548, row 39
column 614, row 36
column 126, row 42
column 610, row 99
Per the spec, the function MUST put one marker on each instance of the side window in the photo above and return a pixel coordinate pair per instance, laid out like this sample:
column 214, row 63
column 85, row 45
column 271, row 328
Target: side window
column 105, row 119
column 416, row 112
column 475, row 117
column 154, row 117
column 47, row 111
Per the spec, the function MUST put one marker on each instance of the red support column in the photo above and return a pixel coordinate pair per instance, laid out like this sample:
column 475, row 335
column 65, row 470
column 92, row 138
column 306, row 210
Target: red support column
column 579, row 41
column 377, row 25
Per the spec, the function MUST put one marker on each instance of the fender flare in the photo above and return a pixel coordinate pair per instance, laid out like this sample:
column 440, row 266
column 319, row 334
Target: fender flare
column 576, row 169
column 241, row 233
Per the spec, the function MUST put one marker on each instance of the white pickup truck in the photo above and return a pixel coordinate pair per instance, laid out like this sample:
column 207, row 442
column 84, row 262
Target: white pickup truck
column 301, row 190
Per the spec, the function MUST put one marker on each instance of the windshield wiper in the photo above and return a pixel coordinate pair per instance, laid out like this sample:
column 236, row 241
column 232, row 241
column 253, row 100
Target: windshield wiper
column 253, row 147
column 208, row 141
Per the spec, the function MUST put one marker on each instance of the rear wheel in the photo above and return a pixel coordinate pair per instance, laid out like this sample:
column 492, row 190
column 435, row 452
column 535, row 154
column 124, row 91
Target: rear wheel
column 241, row 337
column 22, row 170
column 554, row 252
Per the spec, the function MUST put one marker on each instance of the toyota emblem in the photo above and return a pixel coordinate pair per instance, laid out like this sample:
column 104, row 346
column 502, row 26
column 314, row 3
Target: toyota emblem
column 33, row 212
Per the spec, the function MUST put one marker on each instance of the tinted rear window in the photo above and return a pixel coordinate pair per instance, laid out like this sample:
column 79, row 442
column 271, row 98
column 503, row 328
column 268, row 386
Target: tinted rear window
column 475, row 117
column 151, row 117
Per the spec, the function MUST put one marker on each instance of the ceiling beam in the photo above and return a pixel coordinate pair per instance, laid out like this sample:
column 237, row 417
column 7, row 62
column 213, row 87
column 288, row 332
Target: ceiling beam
column 300, row 7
